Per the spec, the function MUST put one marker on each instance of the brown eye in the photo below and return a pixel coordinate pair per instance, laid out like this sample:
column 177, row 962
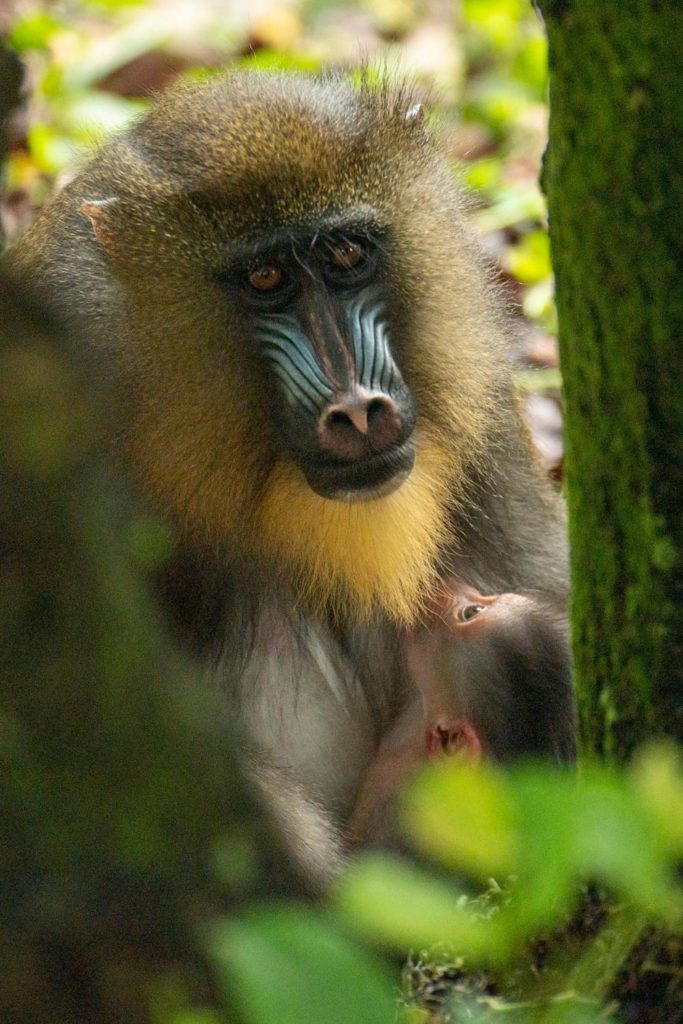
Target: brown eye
column 468, row 611
column 266, row 277
column 346, row 255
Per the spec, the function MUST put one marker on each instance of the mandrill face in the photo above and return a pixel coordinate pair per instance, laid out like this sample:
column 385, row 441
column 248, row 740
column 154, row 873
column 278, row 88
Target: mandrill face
column 318, row 314
column 310, row 364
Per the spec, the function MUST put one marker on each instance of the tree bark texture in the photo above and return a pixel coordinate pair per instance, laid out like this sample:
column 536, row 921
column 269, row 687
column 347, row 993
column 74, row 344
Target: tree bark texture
column 613, row 175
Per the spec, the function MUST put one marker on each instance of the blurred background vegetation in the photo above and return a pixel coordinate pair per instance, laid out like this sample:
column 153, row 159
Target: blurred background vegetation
column 491, row 931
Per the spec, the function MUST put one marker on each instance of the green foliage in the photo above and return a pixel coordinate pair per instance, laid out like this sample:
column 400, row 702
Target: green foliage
column 547, row 829
column 394, row 904
column 529, row 260
column 543, row 834
column 508, row 31
column 34, row 31
column 294, row 966
column 269, row 60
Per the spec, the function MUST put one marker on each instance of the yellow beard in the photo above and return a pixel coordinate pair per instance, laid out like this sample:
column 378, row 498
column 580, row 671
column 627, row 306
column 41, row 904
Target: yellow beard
column 363, row 558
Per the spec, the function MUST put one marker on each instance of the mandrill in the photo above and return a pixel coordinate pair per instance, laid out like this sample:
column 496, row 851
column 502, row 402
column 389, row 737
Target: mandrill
column 274, row 277
column 491, row 678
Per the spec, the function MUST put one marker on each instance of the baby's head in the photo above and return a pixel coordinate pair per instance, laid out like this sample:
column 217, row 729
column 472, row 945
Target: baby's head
column 494, row 672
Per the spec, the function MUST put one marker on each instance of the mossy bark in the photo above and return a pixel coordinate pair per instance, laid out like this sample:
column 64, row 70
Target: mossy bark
column 614, row 179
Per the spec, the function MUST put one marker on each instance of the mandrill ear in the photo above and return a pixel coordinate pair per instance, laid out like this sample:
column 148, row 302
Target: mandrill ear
column 99, row 213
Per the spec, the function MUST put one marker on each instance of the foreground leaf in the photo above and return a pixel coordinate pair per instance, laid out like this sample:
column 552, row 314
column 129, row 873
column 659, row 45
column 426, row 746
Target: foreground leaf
column 289, row 965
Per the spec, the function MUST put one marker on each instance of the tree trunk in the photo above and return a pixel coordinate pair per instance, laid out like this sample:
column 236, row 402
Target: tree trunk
column 614, row 180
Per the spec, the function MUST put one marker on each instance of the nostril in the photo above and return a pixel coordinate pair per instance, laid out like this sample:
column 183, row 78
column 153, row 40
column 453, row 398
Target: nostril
column 348, row 417
column 376, row 409
column 339, row 419
column 384, row 422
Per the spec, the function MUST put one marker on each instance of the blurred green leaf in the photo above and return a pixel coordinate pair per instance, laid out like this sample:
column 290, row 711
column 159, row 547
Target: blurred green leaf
column 94, row 115
column 552, row 830
column 113, row 5
column 617, row 843
column 538, row 304
column 513, row 204
column 530, row 65
column 34, row 31
column 275, row 60
column 657, row 781
column 292, row 966
column 498, row 101
column 234, row 861
column 151, row 541
column 547, row 802
column 571, row 1009
column 529, row 260
column 51, row 149
column 515, row 41
column 483, row 175
column 498, row 20
column 393, row 903
column 463, row 817
column 538, row 380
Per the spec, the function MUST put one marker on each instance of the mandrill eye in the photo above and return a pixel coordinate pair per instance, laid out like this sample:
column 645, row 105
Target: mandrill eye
column 346, row 255
column 266, row 277
column 347, row 263
column 468, row 611
column 264, row 286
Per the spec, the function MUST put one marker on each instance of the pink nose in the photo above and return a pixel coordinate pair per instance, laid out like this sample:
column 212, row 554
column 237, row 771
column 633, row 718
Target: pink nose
column 359, row 424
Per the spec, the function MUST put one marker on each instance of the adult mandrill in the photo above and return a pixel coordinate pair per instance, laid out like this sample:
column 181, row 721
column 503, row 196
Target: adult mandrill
column 276, row 276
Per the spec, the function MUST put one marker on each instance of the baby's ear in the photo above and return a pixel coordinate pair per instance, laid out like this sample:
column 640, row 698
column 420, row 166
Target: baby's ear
column 454, row 738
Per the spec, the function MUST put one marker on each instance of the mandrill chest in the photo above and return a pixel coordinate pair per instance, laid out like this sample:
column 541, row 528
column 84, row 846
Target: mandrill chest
column 303, row 707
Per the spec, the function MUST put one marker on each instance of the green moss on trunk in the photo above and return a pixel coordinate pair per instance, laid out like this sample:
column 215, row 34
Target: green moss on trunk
column 614, row 179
